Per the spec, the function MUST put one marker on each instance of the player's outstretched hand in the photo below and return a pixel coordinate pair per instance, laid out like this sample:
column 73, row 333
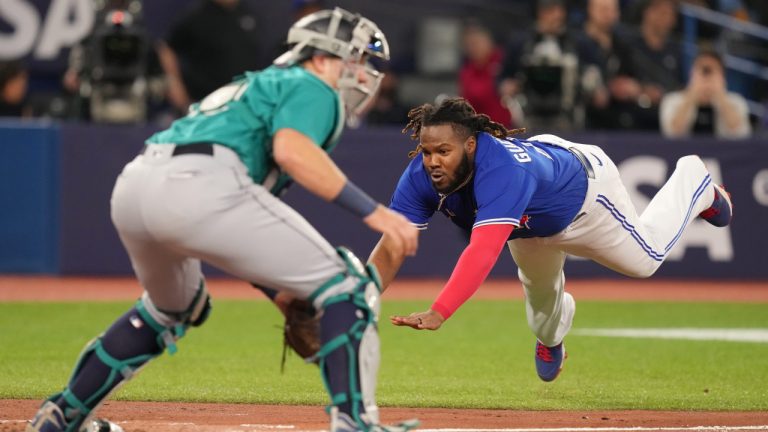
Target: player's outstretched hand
column 429, row 320
column 405, row 237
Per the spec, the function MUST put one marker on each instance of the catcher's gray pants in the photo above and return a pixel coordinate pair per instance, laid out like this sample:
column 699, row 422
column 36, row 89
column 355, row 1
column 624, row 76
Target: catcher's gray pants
column 171, row 212
column 609, row 231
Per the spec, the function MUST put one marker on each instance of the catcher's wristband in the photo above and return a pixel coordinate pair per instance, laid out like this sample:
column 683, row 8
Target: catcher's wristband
column 353, row 198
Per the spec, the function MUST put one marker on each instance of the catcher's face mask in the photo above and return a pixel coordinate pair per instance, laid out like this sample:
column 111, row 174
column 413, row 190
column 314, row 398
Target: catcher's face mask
column 357, row 88
column 353, row 39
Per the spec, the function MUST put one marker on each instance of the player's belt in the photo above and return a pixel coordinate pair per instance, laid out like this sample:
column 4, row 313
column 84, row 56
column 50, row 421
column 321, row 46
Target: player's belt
column 205, row 148
column 193, row 148
column 584, row 161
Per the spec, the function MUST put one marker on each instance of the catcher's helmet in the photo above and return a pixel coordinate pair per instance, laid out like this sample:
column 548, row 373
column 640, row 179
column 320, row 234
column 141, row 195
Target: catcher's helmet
column 348, row 36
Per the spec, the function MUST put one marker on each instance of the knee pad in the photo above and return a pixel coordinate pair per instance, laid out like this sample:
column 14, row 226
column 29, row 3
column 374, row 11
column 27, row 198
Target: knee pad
column 360, row 339
column 119, row 353
column 171, row 326
column 365, row 285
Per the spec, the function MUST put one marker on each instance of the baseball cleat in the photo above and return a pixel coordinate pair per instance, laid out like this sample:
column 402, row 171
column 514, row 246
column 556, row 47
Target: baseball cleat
column 341, row 422
column 720, row 212
column 48, row 418
column 549, row 360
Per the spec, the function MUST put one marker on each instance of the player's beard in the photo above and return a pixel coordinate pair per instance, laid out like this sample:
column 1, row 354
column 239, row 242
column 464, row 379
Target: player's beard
column 463, row 171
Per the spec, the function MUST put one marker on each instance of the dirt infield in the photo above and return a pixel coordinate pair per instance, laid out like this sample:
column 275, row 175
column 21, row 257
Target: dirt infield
column 188, row 417
column 175, row 417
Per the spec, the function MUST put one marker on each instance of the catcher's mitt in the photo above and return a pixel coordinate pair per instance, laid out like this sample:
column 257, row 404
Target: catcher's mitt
column 302, row 329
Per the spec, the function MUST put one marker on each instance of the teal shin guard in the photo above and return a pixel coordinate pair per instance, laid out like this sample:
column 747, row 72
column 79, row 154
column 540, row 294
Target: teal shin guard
column 349, row 355
column 339, row 361
column 133, row 339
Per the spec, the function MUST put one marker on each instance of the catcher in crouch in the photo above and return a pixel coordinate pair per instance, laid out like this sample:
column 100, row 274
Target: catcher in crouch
column 206, row 189
column 544, row 197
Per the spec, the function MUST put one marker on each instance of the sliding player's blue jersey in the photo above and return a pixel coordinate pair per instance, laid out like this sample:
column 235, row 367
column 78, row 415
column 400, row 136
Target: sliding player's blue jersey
column 537, row 187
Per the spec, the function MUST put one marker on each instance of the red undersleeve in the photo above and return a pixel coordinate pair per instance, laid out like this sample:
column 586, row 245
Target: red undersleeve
column 472, row 268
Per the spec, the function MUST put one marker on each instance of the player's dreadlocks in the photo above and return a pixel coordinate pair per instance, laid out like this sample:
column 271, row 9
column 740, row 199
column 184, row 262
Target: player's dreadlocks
column 458, row 113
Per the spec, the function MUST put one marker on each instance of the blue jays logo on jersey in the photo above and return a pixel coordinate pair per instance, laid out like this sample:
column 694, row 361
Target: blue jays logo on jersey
column 524, row 221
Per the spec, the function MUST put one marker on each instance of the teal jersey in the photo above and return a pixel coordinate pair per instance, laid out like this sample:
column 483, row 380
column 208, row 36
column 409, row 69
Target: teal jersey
column 245, row 115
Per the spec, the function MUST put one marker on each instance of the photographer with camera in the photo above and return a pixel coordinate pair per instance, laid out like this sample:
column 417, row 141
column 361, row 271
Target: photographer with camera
column 650, row 68
column 705, row 106
column 602, row 54
column 115, row 73
column 539, row 81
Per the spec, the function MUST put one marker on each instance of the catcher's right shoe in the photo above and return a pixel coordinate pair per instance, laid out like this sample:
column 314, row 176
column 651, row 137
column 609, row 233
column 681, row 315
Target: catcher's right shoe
column 49, row 418
column 341, row 422
column 720, row 212
column 549, row 360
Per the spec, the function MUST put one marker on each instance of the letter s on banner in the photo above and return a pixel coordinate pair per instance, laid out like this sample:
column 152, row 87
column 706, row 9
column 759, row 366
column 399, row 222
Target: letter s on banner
column 59, row 32
column 23, row 18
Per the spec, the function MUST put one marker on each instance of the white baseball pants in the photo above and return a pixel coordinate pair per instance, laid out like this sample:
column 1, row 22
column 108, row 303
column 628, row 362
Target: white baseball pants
column 607, row 230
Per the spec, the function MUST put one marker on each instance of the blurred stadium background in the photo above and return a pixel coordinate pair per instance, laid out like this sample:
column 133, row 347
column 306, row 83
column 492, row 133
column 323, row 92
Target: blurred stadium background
column 60, row 153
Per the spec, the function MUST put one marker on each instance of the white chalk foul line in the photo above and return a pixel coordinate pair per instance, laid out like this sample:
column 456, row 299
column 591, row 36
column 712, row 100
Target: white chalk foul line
column 757, row 335
column 609, row 429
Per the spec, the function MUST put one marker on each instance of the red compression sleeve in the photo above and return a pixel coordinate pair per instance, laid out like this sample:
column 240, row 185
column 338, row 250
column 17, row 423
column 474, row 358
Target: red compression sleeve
column 472, row 268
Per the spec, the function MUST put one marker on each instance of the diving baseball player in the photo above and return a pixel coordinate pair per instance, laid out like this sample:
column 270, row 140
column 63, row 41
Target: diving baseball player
column 543, row 197
column 206, row 190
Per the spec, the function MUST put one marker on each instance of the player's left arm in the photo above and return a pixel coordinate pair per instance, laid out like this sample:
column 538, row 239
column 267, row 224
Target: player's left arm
column 470, row 271
column 498, row 212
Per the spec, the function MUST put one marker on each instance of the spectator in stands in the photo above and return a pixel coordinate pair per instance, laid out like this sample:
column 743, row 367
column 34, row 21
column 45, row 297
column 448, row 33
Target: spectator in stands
column 601, row 53
column 213, row 42
column 13, row 89
column 705, row 105
column 652, row 67
column 477, row 77
column 540, row 73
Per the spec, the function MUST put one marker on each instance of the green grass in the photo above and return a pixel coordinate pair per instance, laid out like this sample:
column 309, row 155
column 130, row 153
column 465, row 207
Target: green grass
column 481, row 358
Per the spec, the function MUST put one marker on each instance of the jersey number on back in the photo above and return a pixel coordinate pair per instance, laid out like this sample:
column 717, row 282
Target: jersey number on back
column 217, row 101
